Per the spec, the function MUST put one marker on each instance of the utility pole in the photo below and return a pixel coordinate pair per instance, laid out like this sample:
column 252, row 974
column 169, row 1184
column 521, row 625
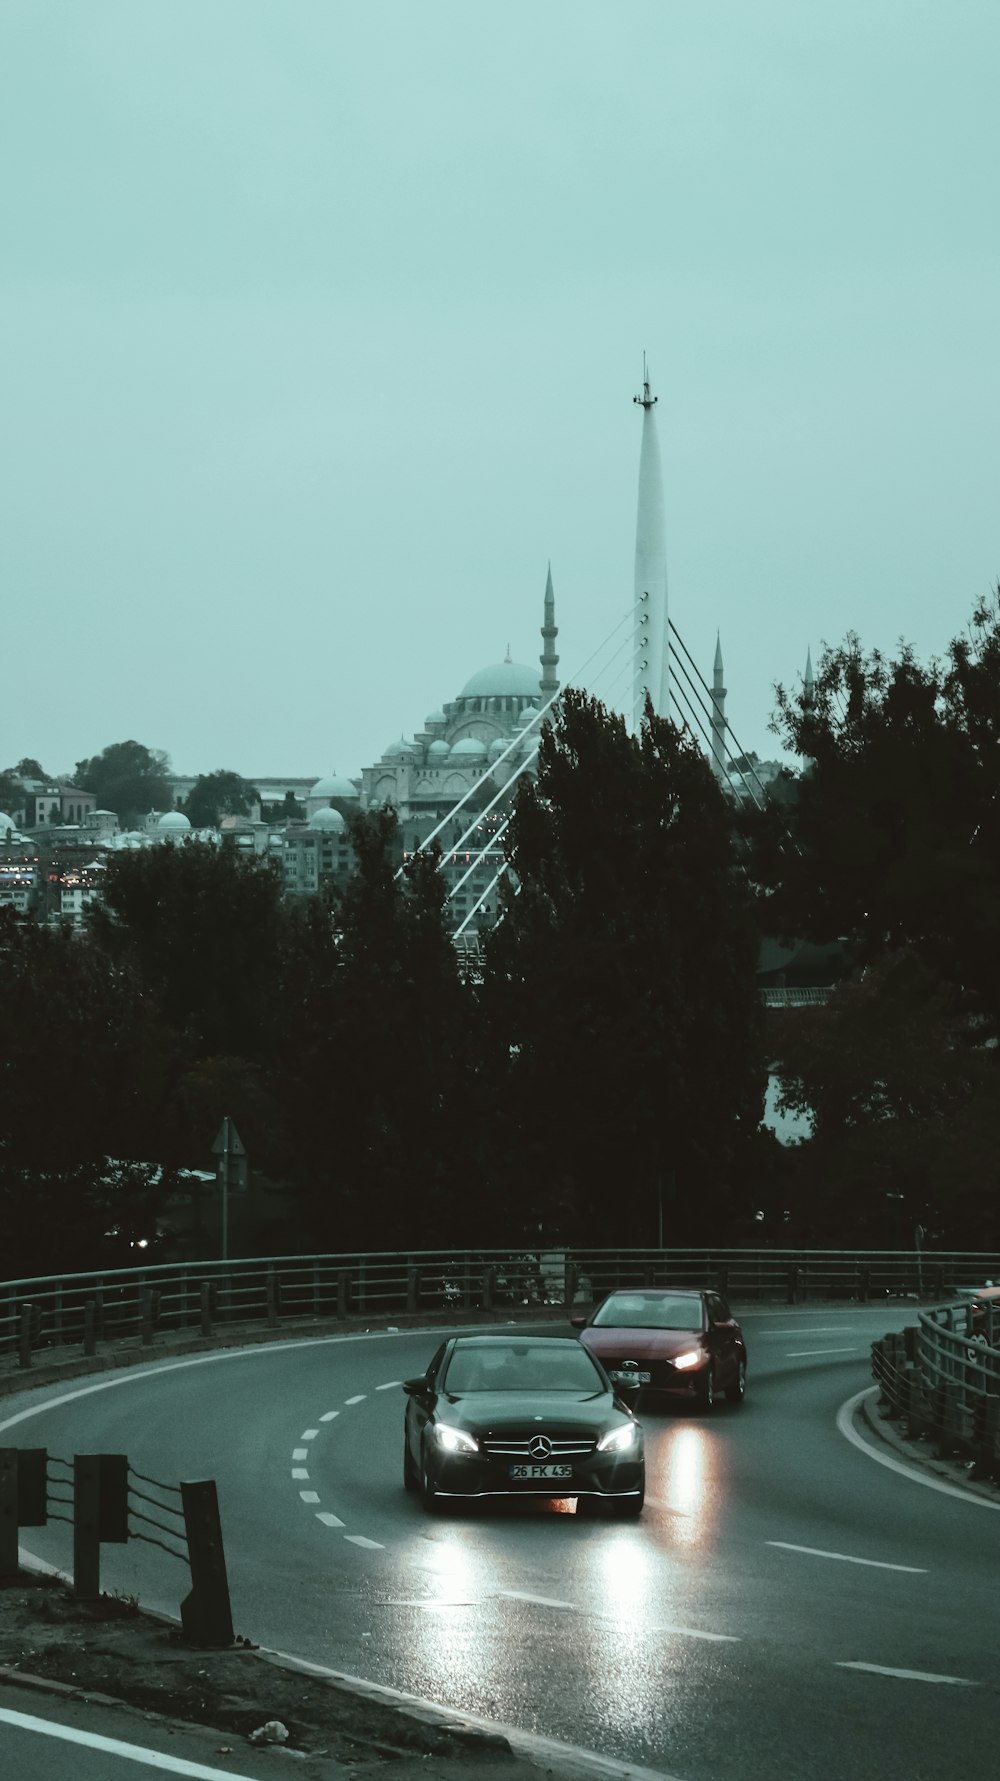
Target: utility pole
column 230, row 1150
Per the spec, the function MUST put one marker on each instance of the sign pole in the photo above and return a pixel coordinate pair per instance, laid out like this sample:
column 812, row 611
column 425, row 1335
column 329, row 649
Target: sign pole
column 225, row 1188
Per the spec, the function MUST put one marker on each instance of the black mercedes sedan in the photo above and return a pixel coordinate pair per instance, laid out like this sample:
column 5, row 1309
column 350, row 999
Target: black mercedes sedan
column 512, row 1416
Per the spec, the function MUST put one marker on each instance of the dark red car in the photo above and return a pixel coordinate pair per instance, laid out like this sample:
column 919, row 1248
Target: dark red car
column 669, row 1339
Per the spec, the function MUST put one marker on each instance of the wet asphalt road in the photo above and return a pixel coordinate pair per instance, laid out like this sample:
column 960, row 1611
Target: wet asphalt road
column 784, row 1605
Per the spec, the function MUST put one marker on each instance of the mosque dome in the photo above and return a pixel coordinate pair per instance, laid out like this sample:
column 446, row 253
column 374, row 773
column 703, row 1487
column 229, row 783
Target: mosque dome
column 504, row 680
column 470, row 747
column 439, row 749
column 334, row 786
column 497, row 747
column 6, row 822
column 399, row 749
column 173, row 822
column 327, row 818
column 435, row 718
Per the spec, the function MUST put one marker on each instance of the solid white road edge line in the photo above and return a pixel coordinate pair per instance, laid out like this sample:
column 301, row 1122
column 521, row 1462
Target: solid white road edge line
column 846, row 1426
column 909, row 1675
column 153, row 1759
column 564, row 1759
column 846, row 1558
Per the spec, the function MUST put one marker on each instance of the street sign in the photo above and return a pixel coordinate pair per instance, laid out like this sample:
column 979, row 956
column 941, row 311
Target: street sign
column 228, row 1142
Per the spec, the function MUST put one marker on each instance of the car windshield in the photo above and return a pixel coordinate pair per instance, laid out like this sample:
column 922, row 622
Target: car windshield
column 649, row 1311
column 522, row 1366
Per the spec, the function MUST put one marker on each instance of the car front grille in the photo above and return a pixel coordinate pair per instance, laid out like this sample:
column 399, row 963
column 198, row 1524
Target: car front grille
column 569, row 1448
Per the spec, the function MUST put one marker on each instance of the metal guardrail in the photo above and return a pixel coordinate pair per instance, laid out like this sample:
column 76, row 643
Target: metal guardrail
column 941, row 1379
column 136, row 1306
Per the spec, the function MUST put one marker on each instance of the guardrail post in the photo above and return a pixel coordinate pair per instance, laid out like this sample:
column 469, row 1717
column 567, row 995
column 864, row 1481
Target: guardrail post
column 206, row 1614
column 24, row 1336
column 205, row 1308
column 145, row 1317
column 8, row 1511
column 412, row 1277
column 865, row 1285
column 272, row 1299
column 317, row 1288
column 794, row 1279
column 342, row 1283
column 86, row 1526
column 486, row 1290
column 89, row 1327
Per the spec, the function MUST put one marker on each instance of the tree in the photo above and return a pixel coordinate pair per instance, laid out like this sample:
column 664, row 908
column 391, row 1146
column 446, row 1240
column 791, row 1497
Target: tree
column 893, row 840
column 219, row 794
column 127, row 777
column 620, row 981
column 199, row 925
column 373, row 1052
column 75, row 1142
column 29, row 768
column 904, row 1113
column 12, row 795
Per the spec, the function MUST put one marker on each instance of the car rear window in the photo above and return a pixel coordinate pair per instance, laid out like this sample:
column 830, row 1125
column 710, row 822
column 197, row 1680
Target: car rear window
column 522, row 1366
column 648, row 1311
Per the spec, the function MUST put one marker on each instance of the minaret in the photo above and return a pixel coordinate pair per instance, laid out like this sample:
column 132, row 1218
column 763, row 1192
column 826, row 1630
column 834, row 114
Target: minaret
column 718, row 716
column 550, row 631
column 808, row 681
column 652, row 663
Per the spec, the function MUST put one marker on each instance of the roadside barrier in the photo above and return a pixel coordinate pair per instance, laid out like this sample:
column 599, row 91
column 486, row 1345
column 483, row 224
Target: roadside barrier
column 941, row 1381
column 103, row 1497
column 135, row 1308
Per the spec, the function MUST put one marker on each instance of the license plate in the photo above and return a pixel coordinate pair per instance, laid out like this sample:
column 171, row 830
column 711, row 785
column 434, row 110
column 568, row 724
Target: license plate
column 632, row 1377
column 520, row 1472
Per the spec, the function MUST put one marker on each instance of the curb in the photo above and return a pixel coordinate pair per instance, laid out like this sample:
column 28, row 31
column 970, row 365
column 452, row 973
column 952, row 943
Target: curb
column 920, row 1453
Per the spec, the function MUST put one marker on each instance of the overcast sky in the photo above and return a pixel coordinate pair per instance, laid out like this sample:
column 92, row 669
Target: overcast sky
column 322, row 322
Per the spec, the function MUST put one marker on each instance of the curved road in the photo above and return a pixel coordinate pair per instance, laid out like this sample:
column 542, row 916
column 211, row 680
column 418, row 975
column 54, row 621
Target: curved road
column 785, row 1606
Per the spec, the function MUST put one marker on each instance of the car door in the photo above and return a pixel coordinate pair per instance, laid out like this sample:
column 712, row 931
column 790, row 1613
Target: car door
column 420, row 1405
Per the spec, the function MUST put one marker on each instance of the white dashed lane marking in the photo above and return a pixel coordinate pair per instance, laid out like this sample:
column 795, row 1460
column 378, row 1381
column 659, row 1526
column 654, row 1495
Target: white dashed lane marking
column 544, row 1601
column 358, row 1400
column 309, row 1496
column 300, row 1453
column 391, row 1385
column 299, row 1472
column 693, row 1632
column 909, row 1675
column 846, row 1558
column 329, row 1416
column 369, row 1545
column 309, row 1434
column 819, row 1329
column 803, row 1353
column 327, row 1519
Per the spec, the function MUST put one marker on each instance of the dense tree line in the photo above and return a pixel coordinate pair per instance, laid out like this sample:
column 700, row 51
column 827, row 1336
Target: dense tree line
column 598, row 1078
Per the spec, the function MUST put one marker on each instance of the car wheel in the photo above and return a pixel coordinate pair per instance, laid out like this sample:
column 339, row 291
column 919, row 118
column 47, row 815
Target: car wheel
column 428, row 1489
column 706, row 1390
column 628, row 1508
column 735, row 1392
column 410, row 1479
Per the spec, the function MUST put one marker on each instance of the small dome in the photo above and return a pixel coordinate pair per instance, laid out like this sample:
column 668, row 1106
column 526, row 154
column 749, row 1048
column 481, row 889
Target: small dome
column 497, row 747
column 439, row 749
column 468, row 747
column 334, row 786
column 174, row 822
column 436, row 717
column 502, row 681
column 327, row 818
column 399, row 750
column 6, row 822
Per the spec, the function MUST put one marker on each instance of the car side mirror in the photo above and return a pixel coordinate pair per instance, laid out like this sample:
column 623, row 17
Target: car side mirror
column 578, row 1323
column 628, row 1389
column 416, row 1388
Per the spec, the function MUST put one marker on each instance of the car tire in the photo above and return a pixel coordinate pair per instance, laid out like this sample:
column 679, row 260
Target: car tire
column 410, row 1478
column 737, row 1391
column 428, row 1489
column 628, row 1508
column 706, row 1391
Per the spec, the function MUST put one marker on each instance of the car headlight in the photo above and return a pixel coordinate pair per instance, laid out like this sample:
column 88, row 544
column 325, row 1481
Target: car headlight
column 454, row 1440
column 693, row 1358
column 618, row 1440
